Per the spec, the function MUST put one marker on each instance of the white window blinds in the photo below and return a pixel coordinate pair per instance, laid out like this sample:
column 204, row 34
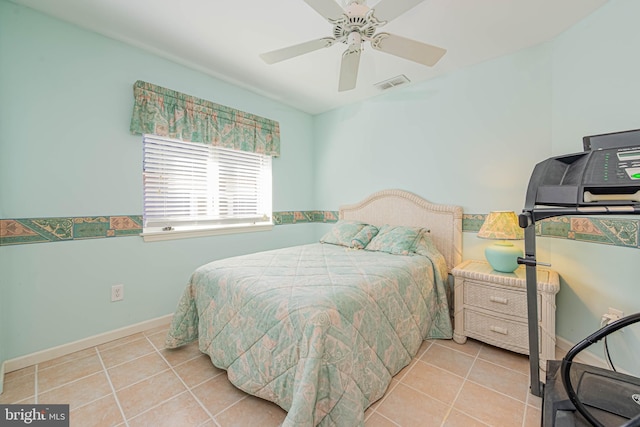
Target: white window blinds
column 197, row 185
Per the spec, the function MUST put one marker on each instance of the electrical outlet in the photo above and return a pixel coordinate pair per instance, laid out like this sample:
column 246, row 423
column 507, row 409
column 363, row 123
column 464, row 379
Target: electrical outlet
column 117, row 293
column 611, row 316
column 615, row 313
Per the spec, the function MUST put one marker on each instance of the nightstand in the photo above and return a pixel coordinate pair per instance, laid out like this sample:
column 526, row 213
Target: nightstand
column 492, row 307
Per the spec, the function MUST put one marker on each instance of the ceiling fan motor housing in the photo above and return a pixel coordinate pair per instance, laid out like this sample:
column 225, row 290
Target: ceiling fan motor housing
column 359, row 18
column 358, row 24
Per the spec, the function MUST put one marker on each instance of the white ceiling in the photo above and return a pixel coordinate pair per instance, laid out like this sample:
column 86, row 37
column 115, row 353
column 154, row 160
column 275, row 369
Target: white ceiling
column 224, row 38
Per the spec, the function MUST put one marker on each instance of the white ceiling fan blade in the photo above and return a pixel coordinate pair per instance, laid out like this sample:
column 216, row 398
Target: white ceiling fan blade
column 296, row 50
column 327, row 8
column 412, row 50
column 388, row 10
column 349, row 68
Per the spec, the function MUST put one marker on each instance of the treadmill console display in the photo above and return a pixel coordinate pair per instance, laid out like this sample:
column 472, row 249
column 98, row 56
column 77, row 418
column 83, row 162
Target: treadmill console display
column 614, row 166
column 608, row 176
column 630, row 161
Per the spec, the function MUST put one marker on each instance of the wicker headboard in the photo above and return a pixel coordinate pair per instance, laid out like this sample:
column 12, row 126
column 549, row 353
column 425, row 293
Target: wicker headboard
column 398, row 207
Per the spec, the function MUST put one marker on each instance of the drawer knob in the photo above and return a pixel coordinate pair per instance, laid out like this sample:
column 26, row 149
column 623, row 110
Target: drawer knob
column 499, row 300
column 499, row 330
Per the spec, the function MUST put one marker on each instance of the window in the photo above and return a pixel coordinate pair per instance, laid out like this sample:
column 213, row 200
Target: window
column 194, row 189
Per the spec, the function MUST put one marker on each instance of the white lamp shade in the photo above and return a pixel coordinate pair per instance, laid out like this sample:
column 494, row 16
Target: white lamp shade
column 502, row 226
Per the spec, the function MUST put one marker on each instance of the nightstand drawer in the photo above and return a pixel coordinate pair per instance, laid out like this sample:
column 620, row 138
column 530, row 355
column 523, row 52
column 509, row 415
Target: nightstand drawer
column 492, row 307
column 495, row 299
column 494, row 330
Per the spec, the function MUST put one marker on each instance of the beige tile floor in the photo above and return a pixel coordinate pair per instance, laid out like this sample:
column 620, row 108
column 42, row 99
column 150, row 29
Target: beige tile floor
column 135, row 381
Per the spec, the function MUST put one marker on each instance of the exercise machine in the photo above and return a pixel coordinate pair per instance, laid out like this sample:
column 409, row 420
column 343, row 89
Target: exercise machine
column 602, row 180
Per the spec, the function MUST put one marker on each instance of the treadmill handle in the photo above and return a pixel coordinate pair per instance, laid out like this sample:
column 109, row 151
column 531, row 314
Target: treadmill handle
column 566, row 366
column 531, row 261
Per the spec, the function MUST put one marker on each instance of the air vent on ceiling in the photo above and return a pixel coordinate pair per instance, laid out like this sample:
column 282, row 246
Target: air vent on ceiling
column 392, row 82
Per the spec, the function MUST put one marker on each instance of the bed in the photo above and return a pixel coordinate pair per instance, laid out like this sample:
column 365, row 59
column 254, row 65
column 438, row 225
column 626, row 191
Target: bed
column 320, row 329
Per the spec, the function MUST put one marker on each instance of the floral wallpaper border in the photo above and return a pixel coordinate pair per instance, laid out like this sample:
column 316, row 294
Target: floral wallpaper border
column 43, row 230
column 609, row 231
column 58, row 229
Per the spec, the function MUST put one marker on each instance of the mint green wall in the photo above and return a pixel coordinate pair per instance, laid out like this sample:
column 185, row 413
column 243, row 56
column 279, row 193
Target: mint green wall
column 4, row 318
column 595, row 76
column 470, row 138
column 596, row 89
column 65, row 150
column 473, row 137
column 454, row 139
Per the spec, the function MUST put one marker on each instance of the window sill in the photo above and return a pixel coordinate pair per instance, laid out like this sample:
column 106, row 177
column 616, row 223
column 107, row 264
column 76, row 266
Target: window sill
column 187, row 233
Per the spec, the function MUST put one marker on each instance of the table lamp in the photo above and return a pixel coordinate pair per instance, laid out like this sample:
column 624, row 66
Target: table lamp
column 502, row 226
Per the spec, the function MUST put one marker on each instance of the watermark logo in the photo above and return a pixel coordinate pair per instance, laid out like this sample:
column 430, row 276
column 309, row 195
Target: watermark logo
column 34, row 415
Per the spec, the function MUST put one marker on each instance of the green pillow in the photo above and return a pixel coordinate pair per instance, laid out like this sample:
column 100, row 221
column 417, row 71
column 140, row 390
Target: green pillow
column 343, row 232
column 424, row 245
column 364, row 236
column 395, row 239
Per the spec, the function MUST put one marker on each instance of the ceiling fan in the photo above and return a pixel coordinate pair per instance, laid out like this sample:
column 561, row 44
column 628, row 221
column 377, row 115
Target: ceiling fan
column 354, row 25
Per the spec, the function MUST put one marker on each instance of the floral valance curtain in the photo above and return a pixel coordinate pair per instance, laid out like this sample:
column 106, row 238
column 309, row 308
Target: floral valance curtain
column 165, row 112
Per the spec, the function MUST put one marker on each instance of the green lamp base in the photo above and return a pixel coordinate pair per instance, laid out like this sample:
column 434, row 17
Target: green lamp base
column 503, row 256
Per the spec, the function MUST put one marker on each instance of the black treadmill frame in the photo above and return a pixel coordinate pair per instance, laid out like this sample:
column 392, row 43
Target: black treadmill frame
column 527, row 220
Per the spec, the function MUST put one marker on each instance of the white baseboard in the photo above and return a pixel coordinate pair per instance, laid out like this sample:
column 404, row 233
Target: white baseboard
column 585, row 357
column 64, row 349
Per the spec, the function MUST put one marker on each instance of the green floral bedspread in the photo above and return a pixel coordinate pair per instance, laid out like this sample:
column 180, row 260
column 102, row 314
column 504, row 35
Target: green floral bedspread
column 318, row 329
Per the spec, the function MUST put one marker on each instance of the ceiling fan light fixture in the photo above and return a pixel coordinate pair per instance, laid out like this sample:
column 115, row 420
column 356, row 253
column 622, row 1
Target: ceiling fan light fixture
column 392, row 82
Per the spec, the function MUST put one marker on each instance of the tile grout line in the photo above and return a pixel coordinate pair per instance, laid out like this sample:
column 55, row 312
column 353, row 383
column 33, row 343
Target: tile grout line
column 130, row 360
column 528, row 408
column 118, row 346
column 524, row 416
column 65, row 359
column 159, row 404
column 91, row 402
column 504, row 367
column 449, row 405
column 530, row 398
column 386, row 418
column 427, row 395
column 497, row 391
column 477, row 357
column 489, row 388
column 440, row 368
column 391, row 388
column 387, row 392
column 204, row 381
column 71, row 382
column 154, row 351
column 113, row 390
column 465, row 379
column 155, row 374
column 238, row 401
column 183, row 383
